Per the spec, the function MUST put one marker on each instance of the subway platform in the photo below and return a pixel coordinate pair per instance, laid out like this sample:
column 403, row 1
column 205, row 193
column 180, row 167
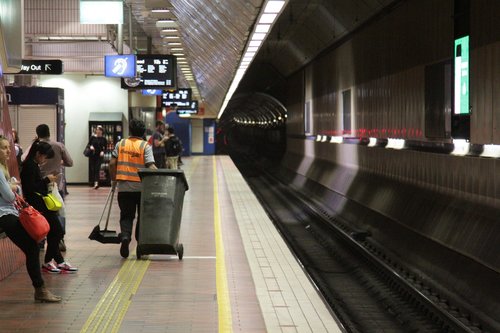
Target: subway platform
column 236, row 275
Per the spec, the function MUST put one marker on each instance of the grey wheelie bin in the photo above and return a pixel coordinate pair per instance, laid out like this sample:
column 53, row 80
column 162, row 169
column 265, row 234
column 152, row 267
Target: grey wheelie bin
column 162, row 197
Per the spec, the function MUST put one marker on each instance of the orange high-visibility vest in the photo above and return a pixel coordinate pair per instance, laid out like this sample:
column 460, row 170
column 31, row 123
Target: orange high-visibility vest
column 130, row 159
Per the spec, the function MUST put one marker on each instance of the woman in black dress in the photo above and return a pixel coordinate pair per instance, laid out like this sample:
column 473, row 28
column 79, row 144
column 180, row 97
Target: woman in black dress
column 97, row 144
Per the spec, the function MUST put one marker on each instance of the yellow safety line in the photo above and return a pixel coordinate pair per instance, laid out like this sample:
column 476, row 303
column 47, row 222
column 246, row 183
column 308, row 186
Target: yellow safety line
column 114, row 303
column 223, row 302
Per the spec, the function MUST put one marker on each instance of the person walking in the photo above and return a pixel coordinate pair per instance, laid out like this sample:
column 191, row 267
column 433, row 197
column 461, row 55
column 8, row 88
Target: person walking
column 173, row 149
column 129, row 155
column 9, row 222
column 34, row 186
column 55, row 166
column 158, row 143
column 97, row 145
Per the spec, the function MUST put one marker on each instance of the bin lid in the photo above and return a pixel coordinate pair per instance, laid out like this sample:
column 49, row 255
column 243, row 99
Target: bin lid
column 144, row 172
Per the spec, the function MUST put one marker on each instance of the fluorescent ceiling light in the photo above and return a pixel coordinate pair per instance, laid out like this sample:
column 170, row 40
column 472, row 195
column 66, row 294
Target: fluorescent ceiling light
column 178, row 54
column 169, row 30
column 262, row 28
column 255, row 43
column 177, row 49
column 160, row 10
column 267, row 18
column 166, row 24
column 174, row 43
column 265, row 21
column 274, row 6
column 101, row 12
column 170, row 37
column 258, row 36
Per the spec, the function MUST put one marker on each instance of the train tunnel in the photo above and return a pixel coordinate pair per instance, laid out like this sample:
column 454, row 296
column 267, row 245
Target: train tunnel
column 372, row 132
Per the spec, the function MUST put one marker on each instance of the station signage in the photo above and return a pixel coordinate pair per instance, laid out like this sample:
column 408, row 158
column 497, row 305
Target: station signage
column 152, row 92
column 180, row 97
column 191, row 109
column 461, row 89
column 122, row 65
column 50, row 67
column 154, row 71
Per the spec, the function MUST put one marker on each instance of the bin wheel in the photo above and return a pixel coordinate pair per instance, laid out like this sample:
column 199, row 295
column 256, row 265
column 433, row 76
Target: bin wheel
column 180, row 251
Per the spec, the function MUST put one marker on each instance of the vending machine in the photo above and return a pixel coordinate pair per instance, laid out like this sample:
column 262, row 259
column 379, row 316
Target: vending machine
column 112, row 124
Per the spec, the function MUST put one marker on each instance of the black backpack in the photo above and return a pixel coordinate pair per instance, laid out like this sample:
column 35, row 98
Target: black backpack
column 173, row 146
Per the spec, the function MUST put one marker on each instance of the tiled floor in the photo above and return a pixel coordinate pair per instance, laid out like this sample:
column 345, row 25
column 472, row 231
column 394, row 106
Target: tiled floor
column 258, row 287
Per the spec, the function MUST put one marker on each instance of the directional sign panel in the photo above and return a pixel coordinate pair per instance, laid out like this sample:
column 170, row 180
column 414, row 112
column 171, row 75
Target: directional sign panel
column 180, row 97
column 41, row 67
column 154, row 71
column 192, row 108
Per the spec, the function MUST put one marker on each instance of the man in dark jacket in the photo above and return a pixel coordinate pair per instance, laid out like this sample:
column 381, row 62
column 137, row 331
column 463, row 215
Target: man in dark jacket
column 173, row 148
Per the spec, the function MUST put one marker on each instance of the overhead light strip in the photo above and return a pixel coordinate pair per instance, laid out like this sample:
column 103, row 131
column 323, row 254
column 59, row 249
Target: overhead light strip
column 271, row 11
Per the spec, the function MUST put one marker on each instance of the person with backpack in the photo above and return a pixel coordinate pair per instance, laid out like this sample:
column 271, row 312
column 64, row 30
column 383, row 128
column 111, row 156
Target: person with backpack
column 157, row 142
column 173, row 148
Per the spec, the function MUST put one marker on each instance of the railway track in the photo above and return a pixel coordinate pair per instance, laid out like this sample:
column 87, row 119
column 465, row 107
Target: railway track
column 366, row 289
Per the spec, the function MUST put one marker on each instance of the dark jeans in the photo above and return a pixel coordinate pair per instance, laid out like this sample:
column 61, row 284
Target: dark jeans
column 54, row 237
column 129, row 203
column 160, row 161
column 14, row 230
column 95, row 167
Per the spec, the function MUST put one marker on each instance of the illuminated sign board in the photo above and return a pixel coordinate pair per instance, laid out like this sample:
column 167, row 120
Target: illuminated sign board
column 41, row 67
column 101, row 12
column 180, row 97
column 461, row 91
column 122, row 65
column 154, row 71
column 152, row 92
column 191, row 109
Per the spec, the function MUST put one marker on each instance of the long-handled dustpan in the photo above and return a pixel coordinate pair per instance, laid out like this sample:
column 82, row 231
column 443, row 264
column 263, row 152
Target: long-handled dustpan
column 106, row 236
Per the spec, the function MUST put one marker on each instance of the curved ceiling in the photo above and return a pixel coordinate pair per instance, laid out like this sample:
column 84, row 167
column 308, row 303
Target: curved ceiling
column 213, row 35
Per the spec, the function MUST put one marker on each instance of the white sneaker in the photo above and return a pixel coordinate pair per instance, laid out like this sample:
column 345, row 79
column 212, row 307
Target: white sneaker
column 65, row 267
column 49, row 267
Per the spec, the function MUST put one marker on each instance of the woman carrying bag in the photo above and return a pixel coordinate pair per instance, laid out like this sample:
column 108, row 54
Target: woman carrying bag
column 34, row 188
column 97, row 146
column 9, row 222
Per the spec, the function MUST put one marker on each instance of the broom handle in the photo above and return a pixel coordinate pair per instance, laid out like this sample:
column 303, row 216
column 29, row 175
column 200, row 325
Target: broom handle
column 105, row 206
column 112, row 194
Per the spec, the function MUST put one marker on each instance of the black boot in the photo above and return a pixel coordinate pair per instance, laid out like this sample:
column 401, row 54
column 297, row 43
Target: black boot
column 125, row 239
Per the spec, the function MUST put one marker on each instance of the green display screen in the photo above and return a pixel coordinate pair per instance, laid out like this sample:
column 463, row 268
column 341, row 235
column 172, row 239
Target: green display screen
column 461, row 105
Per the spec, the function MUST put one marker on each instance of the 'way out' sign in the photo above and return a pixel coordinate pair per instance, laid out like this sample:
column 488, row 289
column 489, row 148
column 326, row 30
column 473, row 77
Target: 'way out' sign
column 41, row 67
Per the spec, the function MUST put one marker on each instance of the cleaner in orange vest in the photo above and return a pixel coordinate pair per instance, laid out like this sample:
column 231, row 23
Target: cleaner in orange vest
column 129, row 155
